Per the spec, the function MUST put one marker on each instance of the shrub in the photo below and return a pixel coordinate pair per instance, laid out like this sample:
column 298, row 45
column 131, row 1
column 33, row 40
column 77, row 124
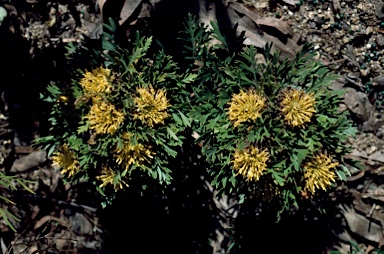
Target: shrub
column 268, row 128
column 122, row 119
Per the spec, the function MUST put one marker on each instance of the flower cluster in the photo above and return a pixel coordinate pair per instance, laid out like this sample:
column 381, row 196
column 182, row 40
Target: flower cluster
column 245, row 106
column 110, row 177
column 319, row 173
column 104, row 118
column 65, row 159
column 297, row 107
column 96, row 83
column 129, row 154
column 250, row 162
column 151, row 106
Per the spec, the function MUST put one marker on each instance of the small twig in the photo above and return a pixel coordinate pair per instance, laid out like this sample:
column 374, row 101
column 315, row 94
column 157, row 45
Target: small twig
column 92, row 209
column 335, row 62
column 370, row 216
column 354, row 82
column 371, row 211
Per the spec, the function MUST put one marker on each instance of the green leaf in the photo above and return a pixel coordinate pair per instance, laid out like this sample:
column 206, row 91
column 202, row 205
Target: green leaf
column 189, row 78
column 177, row 119
column 172, row 134
column 341, row 175
column 21, row 182
column 241, row 198
column 7, row 200
column 107, row 45
column 83, row 128
column 170, row 151
column 53, row 89
column 186, row 121
column 278, row 177
column 5, row 215
column 298, row 157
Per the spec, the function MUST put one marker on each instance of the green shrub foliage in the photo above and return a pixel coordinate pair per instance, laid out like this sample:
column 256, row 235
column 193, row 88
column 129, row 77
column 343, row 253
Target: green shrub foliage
column 267, row 128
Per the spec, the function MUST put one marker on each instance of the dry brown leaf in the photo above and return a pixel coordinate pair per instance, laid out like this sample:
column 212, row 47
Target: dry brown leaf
column 251, row 21
column 48, row 218
column 254, row 39
column 101, row 3
column 128, row 9
column 376, row 156
column 292, row 2
column 11, row 10
column 279, row 24
column 30, row 161
column 287, row 50
column 244, row 10
column 245, row 23
column 362, row 226
column 24, row 149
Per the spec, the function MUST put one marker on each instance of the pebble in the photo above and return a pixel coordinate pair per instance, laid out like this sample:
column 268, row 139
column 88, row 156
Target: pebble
column 364, row 72
column 380, row 40
column 312, row 24
column 379, row 6
column 371, row 150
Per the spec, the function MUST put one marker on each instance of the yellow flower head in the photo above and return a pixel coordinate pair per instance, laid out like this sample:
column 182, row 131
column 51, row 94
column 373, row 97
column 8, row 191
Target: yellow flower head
column 151, row 106
column 96, row 82
column 108, row 177
column 245, row 106
column 104, row 118
column 297, row 107
column 250, row 162
column 65, row 159
column 129, row 154
column 318, row 173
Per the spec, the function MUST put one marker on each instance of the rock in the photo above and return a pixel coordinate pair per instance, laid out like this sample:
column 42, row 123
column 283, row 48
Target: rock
column 31, row 160
column 362, row 226
column 380, row 40
column 358, row 103
column 379, row 9
column 312, row 24
column 378, row 81
column 81, row 225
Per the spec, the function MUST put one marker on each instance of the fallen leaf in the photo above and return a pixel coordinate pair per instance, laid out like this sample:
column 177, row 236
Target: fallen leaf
column 101, row 3
column 244, row 10
column 253, row 33
column 362, row 226
column 24, row 149
column 128, row 9
column 252, row 23
column 48, row 218
column 358, row 103
column 287, row 50
column 292, row 2
column 30, row 161
column 279, row 24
